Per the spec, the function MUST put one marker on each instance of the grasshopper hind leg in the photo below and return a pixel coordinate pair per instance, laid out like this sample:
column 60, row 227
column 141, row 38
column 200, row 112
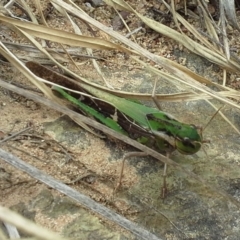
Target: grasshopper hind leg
column 128, row 155
column 164, row 187
column 143, row 154
column 154, row 96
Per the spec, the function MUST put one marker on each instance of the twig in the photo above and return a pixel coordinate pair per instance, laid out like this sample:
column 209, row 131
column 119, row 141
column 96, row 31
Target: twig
column 15, row 134
column 133, row 32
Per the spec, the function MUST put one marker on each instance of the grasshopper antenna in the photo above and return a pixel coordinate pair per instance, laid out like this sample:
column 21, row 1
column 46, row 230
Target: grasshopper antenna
column 213, row 117
column 202, row 129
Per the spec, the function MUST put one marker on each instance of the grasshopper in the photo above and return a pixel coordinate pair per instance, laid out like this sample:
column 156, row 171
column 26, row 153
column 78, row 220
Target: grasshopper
column 147, row 125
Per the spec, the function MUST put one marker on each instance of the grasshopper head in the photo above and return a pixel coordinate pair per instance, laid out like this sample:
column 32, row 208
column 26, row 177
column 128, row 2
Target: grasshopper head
column 192, row 143
column 187, row 147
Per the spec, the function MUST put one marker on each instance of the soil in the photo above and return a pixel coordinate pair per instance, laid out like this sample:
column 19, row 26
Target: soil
column 57, row 146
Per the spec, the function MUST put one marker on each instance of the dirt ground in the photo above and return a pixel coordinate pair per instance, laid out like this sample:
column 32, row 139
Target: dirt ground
column 55, row 144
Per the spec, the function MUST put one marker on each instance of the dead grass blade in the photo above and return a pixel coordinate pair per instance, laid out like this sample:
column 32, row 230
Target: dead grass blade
column 214, row 56
column 224, row 32
column 60, row 36
column 26, row 72
column 27, row 226
column 229, row 7
column 29, row 11
column 34, row 53
column 88, row 50
column 194, row 31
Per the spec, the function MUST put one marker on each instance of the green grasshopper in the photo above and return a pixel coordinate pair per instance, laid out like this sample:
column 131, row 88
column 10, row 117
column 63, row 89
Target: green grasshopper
column 147, row 125
column 150, row 121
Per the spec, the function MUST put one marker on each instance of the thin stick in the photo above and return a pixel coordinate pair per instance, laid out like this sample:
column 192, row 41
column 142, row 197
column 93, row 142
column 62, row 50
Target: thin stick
column 15, row 134
column 133, row 32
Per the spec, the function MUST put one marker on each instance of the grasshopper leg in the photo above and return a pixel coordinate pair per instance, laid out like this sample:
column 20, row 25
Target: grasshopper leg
column 154, row 95
column 128, row 155
column 164, row 187
column 142, row 154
